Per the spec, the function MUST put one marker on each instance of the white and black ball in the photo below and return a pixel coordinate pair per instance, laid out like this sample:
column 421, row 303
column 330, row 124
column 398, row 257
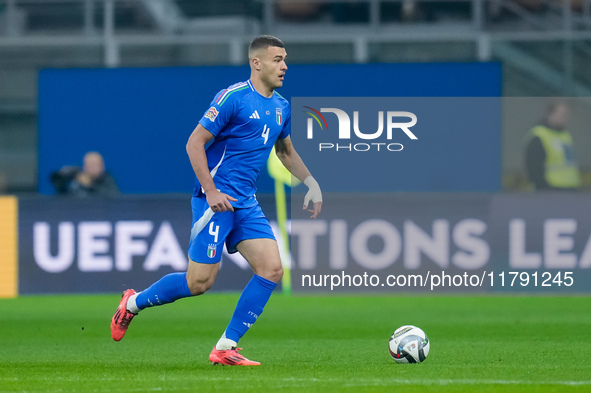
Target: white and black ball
column 409, row 344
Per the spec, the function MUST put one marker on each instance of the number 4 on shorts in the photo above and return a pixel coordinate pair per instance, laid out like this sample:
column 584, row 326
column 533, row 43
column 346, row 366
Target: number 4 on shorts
column 214, row 230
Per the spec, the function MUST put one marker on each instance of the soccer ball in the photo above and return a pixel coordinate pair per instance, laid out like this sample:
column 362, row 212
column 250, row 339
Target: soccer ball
column 409, row 344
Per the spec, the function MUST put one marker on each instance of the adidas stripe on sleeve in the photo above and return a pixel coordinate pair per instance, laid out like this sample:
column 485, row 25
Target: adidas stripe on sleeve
column 221, row 109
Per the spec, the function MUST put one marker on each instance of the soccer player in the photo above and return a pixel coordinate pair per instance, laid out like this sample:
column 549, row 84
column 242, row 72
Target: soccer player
column 243, row 123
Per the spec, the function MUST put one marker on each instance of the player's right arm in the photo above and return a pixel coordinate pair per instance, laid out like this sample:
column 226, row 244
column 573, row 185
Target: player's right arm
column 218, row 201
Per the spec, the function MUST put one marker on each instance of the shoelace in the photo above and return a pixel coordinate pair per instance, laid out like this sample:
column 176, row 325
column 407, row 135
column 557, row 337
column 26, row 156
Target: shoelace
column 127, row 317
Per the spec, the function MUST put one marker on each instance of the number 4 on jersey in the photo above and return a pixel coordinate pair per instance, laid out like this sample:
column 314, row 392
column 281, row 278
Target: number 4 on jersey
column 265, row 133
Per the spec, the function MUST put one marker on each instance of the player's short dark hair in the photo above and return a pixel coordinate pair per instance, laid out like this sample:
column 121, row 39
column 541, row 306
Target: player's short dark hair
column 265, row 41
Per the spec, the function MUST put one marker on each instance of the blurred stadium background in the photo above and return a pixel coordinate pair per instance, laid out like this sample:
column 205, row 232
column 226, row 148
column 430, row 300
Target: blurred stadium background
column 543, row 46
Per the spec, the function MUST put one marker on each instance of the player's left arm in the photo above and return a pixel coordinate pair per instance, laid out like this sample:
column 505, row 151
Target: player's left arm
column 290, row 158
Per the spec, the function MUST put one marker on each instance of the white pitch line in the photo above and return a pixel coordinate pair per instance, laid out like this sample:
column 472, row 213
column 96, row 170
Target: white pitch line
column 465, row 382
column 287, row 382
column 373, row 382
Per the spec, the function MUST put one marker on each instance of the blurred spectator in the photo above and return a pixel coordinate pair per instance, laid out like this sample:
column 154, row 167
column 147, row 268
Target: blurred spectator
column 91, row 180
column 298, row 11
column 403, row 11
column 550, row 160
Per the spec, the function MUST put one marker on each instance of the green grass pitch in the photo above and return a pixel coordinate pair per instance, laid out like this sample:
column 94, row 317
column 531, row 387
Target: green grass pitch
column 478, row 344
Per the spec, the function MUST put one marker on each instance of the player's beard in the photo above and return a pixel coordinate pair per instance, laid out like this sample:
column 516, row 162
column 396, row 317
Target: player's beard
column 279, row 82
column 274, row 82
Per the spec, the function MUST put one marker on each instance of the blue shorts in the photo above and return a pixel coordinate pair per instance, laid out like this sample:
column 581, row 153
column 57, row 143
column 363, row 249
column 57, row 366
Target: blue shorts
column 210, row 230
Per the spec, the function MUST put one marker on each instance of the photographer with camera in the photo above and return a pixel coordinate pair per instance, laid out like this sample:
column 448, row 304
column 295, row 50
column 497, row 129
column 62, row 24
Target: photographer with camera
column 90, row 180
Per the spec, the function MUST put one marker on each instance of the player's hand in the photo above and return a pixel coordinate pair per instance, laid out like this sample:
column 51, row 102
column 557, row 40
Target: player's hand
column 219, row 202
column 315, row 195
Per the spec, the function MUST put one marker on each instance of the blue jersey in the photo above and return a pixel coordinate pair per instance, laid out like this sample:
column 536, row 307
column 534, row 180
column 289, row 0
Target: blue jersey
column 245, row 126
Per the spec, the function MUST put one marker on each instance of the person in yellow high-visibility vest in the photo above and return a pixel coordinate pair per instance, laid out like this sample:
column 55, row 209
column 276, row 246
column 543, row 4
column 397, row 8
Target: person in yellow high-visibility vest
column 550, row 160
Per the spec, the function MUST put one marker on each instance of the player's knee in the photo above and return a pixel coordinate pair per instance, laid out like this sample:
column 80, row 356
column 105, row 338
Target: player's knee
column 200, row 286
column 200, row 276
column 274, row 273
column 278, row 274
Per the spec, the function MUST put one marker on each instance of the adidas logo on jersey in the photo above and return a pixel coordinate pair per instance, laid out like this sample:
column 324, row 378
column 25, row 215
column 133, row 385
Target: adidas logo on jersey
column 255, row 115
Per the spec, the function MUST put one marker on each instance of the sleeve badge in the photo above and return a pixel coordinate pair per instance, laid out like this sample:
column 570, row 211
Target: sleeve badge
column 212, row 113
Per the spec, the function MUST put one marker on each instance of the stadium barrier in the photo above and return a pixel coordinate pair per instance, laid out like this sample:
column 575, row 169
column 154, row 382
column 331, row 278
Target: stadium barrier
column 92, row 246
column 8, row 246
column 108, row 245
column 161, row 106
column 455, row 242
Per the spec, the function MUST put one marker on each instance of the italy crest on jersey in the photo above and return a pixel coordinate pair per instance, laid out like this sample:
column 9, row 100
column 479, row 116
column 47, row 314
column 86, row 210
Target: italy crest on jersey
column 279, row 116
column 211, row 249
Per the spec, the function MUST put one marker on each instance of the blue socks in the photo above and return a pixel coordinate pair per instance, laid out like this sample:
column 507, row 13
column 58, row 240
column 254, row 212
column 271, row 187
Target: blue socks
column 169, row 288
column 174, row 286
column 250, row 305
